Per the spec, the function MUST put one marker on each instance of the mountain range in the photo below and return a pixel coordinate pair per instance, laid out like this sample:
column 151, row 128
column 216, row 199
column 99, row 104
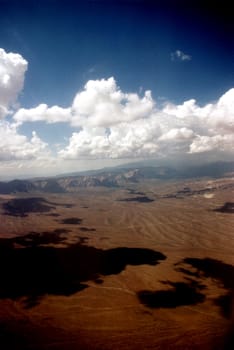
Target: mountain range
column 114, row 177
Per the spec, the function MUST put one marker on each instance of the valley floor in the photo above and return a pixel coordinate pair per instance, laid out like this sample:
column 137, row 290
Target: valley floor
column 104, row 269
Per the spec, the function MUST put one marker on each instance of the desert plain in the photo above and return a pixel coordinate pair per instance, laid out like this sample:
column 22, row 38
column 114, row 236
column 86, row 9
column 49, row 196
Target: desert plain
column 147, row 266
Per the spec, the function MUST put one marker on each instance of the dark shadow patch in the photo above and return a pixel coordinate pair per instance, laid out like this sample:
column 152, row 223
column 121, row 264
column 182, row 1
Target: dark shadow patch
column 220, row 272
column 183, row 293
column 189, row 273
column 172, row 196
column 229, row 340
column 83, row 240
column 31, row 301
column 87, row 229
column 115, row 260
column 98, row 281
column 139, row 199
column 23, row 206
column 216, row 269
column 61, row 230
column 225, row 303
column 55, row 215
column 35, row 239
column 68, row 206
column 35, row 271
column 132, row 191
column 11, row 338
column 187, row 192
column 226, row 208
column 72, row 221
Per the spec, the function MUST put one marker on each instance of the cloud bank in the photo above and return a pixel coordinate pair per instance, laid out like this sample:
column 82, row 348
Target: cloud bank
column 109, row 123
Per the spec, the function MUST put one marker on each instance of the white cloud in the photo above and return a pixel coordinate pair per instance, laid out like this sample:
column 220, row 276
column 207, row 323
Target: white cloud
column 188, row 108
column 212, row 143
column 101, row 103
column 179, row 55
column 220, row 116
column 177, row 135
column 12, row 70
column 126, row 140
column 14, row 146
column 174, row 129
column 42, row 112
column 111, row 124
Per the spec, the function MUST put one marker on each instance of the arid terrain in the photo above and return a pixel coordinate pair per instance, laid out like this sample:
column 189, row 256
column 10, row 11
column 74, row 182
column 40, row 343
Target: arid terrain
column 148, row 265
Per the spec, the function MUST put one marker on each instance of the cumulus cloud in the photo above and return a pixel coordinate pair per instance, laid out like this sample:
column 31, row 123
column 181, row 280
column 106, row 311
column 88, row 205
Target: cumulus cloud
column 113, row 124
column 177, row 135
column 126, row 140
column 212, row 118
column 212, row 143
column 179, row 55
column 110, row 123
column 174, row 129
column 101, row 103
column 14, row 146
column 42, row 112
column 220, row 116
column 12, row 70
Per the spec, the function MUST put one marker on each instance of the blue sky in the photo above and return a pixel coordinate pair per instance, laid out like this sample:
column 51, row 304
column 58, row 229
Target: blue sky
column 176, row 51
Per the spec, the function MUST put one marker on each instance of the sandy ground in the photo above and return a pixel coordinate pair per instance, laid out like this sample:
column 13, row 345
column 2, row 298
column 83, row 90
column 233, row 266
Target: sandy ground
column 183, row 301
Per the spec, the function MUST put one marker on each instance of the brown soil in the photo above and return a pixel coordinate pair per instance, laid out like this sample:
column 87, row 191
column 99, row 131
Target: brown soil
column 137, row 275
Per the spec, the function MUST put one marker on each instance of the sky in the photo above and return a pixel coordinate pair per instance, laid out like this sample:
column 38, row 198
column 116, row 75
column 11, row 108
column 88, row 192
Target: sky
column 90, row 84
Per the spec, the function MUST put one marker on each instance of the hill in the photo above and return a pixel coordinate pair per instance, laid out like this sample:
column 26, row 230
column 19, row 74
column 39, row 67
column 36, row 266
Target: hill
column 115, row 177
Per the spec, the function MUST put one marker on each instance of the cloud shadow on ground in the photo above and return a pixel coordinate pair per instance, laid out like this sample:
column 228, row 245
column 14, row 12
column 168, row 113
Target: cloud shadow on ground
column 139, row 199
column 228, row 208
column 221, row 274
column 71, row 221
column 35, row 270
column 193, row 290
column 23, row 206
column 181, row 293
